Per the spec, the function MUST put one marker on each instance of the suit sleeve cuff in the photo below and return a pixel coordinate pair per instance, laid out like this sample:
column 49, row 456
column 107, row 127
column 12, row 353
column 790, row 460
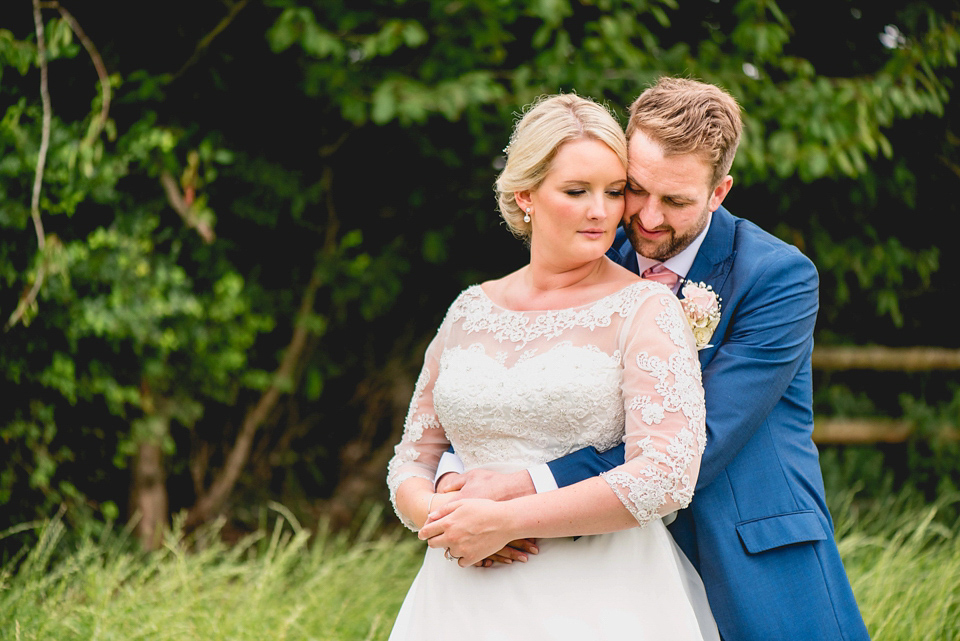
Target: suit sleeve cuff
column 449, row 462
column 542, row 478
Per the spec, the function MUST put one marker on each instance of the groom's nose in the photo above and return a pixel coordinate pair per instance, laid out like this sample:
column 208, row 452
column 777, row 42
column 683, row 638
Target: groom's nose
column 648, row 212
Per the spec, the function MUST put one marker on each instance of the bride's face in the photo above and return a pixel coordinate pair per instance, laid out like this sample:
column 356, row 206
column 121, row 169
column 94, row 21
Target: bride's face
column 577, row 208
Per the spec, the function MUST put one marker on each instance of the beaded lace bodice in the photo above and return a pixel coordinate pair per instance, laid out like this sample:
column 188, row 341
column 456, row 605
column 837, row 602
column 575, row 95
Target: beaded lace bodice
column 513, row 389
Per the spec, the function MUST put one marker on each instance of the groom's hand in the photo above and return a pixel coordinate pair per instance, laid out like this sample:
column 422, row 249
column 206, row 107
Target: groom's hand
column 484, row 484
column 514, row 551
column 450, row 482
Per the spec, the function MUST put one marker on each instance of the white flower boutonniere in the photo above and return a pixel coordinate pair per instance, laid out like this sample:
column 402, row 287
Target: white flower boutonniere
column 702, row 308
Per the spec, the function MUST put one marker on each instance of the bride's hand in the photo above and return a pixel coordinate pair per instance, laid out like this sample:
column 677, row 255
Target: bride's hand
column 471, row 529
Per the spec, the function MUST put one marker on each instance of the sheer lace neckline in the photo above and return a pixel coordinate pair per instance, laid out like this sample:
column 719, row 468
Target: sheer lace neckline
column 602, row 299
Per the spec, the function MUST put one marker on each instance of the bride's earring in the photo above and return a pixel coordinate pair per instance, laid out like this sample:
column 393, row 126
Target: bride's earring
column 526, row 217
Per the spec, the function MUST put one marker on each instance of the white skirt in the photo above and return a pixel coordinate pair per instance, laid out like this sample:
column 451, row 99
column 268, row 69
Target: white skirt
column 633, row 584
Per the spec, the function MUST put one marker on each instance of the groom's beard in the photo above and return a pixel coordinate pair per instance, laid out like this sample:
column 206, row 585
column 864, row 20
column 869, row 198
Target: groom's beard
column 670, row 245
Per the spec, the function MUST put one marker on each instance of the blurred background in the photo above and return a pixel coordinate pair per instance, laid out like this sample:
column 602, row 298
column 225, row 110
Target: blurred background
column 230, row 228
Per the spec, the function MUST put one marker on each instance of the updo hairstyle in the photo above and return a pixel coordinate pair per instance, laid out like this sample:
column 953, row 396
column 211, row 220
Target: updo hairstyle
column 548, row 123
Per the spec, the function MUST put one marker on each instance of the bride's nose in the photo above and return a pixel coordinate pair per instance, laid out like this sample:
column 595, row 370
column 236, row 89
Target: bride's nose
column 598, row 209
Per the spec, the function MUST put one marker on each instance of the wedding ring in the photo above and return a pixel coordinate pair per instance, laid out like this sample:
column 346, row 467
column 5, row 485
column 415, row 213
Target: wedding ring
column 448, row 556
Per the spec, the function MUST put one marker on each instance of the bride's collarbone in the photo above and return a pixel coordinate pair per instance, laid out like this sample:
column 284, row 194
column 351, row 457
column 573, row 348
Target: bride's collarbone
column 518, row 293
column 531, row 299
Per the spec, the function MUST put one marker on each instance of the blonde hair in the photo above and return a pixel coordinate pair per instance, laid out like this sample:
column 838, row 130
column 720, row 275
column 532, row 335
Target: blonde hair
column 548, row 123
column 687, row 116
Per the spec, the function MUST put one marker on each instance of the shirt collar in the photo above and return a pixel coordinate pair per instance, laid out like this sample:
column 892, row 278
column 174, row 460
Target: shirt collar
column 682, row 262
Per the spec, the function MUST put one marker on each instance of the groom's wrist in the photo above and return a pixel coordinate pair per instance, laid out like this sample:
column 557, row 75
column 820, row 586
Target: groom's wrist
column 521, row 485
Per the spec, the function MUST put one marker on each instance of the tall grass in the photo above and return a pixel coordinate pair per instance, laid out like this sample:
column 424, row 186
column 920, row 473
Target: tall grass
column 274, row 585
column 903, row 560
column 902, row 556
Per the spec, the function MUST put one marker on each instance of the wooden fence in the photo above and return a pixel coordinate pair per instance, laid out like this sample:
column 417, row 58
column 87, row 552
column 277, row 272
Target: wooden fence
column 835, row 431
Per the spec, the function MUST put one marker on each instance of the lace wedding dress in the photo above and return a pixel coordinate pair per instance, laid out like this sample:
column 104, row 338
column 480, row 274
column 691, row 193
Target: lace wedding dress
column 514, row 389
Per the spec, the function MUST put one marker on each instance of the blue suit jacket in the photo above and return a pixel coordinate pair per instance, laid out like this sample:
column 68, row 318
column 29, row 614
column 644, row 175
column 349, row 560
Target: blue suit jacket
column 758, row 529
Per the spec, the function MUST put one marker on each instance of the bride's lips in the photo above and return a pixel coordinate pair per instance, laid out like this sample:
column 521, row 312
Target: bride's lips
column 593, row 232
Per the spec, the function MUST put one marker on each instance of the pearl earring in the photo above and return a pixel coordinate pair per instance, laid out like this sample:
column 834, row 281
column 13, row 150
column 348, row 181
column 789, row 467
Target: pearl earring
column 526, row 217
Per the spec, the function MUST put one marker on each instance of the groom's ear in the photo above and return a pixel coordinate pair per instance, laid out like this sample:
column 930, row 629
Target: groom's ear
column 719, row 193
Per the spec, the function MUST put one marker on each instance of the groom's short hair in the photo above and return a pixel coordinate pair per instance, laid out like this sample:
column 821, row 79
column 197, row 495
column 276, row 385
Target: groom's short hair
column 687, row 116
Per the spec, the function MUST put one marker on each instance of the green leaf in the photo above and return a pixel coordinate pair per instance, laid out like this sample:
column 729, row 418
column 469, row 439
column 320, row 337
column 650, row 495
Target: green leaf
column 434, row 247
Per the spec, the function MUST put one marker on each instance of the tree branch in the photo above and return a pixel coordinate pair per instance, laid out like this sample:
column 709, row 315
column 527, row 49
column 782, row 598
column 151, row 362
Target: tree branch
column 223, row 484
column 31, row 296
column 28, row 300
column 333, row 222
column 283, row 378
column 98, row 65
column 45, row 131
column 179, row 204
column 205, row 42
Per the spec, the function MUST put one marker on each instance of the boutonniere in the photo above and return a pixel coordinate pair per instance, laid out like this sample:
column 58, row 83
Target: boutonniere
column 701, row 306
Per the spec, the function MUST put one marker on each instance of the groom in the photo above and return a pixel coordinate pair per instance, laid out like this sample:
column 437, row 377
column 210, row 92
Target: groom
column 758, row 529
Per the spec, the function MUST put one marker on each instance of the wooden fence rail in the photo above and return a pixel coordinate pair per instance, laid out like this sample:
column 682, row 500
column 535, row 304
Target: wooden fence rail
column 900, row 359
column 850, row 431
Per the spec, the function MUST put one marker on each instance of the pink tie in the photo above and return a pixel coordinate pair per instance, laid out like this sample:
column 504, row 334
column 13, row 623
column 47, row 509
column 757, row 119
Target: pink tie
column 661, row 274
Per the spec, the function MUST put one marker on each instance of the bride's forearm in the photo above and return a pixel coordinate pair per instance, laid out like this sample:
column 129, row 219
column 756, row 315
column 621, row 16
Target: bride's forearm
column 587, row 507
column 416, row 498
column 413, row 499
column 473, row 529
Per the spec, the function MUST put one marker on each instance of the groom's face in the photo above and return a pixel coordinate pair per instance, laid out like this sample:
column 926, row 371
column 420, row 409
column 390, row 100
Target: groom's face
column 668, row 198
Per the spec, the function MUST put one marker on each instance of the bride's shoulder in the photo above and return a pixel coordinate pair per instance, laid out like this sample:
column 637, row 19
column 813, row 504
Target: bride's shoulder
column 471, row 300
column 499, row 285
column 500, row 291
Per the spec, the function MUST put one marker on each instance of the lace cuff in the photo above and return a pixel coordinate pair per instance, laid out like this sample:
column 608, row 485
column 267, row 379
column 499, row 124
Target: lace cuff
column 424, row 441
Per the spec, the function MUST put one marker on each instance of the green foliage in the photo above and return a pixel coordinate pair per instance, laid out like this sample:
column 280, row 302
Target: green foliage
column 339, row 156
column 133, row 329
column 349, row 61
column 934, row 451
column 928, row 461
column 815, row 126
column 875, row 266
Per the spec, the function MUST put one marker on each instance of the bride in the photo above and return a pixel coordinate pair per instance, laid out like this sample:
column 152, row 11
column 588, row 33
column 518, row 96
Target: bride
column 569, row 351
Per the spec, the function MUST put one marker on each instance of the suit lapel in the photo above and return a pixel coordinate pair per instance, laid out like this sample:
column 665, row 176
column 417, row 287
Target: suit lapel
column 712, row 266
column 715, row 257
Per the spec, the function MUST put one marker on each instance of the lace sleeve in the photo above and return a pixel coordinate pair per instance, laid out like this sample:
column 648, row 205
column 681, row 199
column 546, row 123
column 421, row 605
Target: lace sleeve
column 664, row 406
column 423, row 441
